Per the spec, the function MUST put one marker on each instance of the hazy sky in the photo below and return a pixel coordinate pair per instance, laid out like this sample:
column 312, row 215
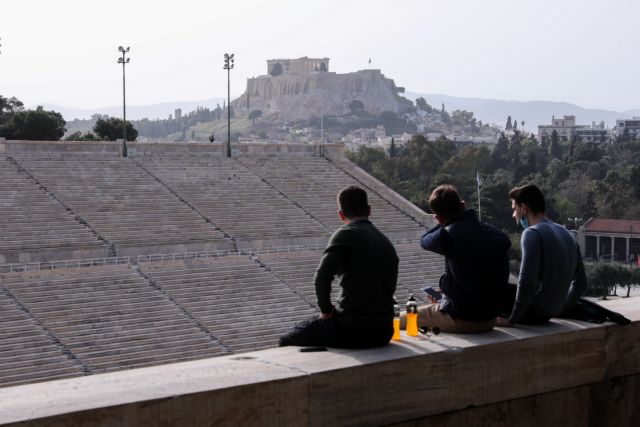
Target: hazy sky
column 65, row 51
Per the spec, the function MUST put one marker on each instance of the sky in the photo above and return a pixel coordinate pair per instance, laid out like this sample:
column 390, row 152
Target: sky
column 64, row 52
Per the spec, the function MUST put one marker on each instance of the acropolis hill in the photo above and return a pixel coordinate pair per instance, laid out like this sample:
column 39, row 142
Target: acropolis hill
column 304, row 88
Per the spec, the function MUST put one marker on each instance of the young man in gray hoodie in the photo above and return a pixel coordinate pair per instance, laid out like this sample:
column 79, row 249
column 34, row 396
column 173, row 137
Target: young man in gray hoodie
column 552, row 276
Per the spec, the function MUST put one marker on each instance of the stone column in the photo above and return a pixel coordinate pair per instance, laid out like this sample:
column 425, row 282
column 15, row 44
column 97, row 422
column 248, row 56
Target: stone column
column 613, row 248
column 628, row 249
column 598, row 247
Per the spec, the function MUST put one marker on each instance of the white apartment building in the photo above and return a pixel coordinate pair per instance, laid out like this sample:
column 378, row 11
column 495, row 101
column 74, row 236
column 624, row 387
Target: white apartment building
column 568, row 130
column 631, row 125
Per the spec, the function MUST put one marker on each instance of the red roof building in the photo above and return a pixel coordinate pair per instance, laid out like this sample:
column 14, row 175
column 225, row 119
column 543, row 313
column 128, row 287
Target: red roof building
column 610, row 239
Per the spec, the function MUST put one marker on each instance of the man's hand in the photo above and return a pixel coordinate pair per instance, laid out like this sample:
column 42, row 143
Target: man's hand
column 501, row 321
column 327, row 316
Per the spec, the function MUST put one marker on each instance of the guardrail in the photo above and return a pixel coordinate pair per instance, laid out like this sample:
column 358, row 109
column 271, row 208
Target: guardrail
column 184, row 256
column 53, row 265
column 248, row 251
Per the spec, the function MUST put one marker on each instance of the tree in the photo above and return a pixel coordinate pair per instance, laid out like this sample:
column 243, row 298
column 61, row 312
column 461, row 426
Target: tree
column 34, row 125
column 78, row 136
column 500, row 153
column 515, row 125
column 392, row 148
column 111, row 129
column 463, row 118
column 356, row 106
column 555, row 149
column 255, row 114
column 8, row 107
column 421, row 104
column 509, row 126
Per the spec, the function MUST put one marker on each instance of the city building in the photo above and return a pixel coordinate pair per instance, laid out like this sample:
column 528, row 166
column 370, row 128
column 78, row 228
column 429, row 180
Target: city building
column 610, row 239
column 568, row 130
column 593, row 133
column 630, row 127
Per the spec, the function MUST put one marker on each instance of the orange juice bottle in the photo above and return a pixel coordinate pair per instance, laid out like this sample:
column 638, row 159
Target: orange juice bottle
column 396, row 320
column 412, row 316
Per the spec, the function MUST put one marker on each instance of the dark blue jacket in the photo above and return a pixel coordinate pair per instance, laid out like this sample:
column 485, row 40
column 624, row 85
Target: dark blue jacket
column 476, row 265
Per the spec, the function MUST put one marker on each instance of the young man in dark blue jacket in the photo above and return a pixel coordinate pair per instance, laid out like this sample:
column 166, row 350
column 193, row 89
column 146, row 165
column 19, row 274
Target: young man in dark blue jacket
column 476, row 267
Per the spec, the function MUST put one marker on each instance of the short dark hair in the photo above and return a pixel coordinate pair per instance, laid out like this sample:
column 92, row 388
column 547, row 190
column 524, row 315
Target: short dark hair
column 531, row 196
column 353, row 202
column 445, row 201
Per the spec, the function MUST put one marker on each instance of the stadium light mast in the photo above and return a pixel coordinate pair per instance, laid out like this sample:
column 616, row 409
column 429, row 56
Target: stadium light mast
column 228, row 65
column 124, row 61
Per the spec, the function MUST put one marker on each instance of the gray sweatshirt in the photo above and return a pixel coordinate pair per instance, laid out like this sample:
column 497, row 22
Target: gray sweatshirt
column 552, row 275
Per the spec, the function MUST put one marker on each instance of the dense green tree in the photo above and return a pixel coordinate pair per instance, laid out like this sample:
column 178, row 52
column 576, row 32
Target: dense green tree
column 598, row 181
column 254, row 115
column 356, row 106
column 508, row 126
column 463, row 118
column 34, row 125
column 590, row 151
column 111, row 129
column 393, row 123
column 392, row 148
column 8, row 107
column 78, row 136
column 554, row 150
column 422, row 104
column 634, row 181
column 500, row 153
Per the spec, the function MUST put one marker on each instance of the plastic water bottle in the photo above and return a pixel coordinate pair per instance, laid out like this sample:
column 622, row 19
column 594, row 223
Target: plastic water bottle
column 396, row 320
column 412, row 316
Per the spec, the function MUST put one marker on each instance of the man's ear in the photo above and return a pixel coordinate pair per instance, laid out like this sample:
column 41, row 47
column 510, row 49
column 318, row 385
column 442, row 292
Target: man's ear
column 439, row 219
column 368, row 210
column 342, row 216
column 463, row 204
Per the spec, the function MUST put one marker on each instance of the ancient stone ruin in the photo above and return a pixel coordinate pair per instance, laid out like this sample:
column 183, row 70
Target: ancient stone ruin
column 304, row 88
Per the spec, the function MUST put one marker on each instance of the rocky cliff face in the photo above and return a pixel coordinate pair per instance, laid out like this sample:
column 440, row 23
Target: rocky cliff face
column 302, row 97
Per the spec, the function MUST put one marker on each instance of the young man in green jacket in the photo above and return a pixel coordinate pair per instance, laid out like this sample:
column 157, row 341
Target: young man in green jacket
column 367, row 263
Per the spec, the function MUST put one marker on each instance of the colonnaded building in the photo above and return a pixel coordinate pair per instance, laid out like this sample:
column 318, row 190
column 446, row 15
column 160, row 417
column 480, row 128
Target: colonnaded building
column 151, row 290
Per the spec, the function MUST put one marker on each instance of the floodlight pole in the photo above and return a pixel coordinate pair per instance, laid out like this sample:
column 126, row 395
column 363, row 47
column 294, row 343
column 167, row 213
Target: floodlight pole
column 123, row 60
column 228, row 65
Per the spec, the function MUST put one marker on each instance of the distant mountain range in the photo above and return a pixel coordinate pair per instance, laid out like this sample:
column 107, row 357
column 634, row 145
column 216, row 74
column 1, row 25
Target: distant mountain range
column 492, row 111
column 533, row 113
column 136, row 112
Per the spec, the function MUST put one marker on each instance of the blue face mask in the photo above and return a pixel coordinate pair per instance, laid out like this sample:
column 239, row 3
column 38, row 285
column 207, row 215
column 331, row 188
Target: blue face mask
column 524, row 223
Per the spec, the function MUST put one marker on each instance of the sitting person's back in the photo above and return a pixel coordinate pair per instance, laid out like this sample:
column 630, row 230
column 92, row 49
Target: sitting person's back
column 476, row 267
column 369, row 272
column 552, row 276
column 367, row 263
column 550, row 260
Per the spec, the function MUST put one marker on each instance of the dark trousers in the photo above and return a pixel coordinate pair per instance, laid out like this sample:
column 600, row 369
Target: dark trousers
column 530, row 317
column 335, row 333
